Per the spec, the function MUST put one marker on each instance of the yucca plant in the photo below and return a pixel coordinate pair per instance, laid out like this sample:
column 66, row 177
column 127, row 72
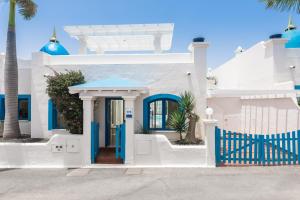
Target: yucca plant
column 283, row 5
column 178, row 122
column 27, row 8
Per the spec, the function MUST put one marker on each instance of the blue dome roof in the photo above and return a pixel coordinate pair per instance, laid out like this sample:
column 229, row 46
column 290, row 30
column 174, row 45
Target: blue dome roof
column 53, row 47
column 292, row 34
column 294, row 38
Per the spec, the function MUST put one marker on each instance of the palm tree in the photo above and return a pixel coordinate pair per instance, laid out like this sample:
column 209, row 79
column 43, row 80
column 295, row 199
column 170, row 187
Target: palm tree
column 178, row 122
column 283, row 4
column 27, row 8
column 187, row 104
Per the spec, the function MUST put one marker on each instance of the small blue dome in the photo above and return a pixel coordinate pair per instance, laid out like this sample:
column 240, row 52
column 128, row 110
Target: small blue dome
column 53, row 47
column 292, row 34
column 294, row 38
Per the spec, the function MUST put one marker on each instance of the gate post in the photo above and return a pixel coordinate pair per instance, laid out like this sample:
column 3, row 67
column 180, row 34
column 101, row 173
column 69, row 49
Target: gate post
column 210, row 127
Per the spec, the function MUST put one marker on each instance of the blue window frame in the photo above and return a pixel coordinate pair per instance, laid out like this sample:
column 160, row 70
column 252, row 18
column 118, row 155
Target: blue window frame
column 55, row 119
column 24, row 107
column 157, row 109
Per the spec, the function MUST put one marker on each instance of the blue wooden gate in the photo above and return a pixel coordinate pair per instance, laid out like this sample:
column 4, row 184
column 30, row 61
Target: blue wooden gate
column 94, row 141
column 256, row 149
column 120, row 141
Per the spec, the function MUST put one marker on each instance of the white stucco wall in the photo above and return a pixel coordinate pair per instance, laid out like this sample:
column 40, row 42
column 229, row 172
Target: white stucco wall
column 23, row 155
column 157, row 150
column 256, row 116
column 264, row 66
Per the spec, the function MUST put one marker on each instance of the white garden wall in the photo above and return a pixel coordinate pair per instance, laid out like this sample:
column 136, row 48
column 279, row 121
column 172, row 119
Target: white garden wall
column 156, row 150
column 23, row 155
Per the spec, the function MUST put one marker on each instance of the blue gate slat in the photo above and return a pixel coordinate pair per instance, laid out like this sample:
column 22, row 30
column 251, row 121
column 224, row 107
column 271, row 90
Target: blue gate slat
column 298, row 145
column 262, row 149
column 288, row 140
column 273, row 149
column 224, row 147
column 218, row 145
column 283, row 149
column 255, row 149
column 278, row 148
column 229, row 147
column 240, row 148
column 245, row 148
column 250, row 149
column 294, row 147
column 234, row 147
column 268, row 149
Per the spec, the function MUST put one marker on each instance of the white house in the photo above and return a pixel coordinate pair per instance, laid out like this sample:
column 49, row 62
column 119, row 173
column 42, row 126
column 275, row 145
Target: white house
column 134, row 83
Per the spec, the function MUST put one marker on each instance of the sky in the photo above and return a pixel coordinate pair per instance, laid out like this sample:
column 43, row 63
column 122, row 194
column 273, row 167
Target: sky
column 225, row 24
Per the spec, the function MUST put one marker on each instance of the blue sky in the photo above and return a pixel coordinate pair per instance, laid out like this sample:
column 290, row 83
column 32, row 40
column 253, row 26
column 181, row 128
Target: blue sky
column 225, row 24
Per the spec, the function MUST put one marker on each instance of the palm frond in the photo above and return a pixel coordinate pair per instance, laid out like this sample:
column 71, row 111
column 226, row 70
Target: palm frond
column 27, row 8
column 283, row 5
column 178, row 122
column 187, row 102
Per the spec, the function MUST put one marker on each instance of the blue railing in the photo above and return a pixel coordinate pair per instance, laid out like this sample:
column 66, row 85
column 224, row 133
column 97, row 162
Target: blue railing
column 94, row 141
column 257, row 149
column 120, row 141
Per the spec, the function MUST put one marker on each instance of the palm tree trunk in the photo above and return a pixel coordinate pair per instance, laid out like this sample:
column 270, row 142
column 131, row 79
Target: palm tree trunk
column 11, row 123
column 191, row 132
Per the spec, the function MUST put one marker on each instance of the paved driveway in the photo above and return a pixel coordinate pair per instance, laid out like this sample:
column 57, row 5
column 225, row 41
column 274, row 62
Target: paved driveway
column 153, row 184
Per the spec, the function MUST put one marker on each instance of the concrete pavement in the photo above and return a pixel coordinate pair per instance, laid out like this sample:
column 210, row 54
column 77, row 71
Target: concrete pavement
column 153, row 184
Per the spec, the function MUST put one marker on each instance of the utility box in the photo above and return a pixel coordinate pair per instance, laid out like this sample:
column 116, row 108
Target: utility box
column 73, row 146
column 57, row 148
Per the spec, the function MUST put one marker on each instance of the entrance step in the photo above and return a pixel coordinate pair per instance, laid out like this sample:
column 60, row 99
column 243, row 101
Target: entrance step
column 107, row 156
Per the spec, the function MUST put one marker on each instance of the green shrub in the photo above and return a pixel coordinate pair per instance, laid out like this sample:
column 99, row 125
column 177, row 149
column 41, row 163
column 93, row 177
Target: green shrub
column 69, row 105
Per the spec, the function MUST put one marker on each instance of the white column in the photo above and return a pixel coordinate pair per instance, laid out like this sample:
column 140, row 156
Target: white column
column 82, row 46
column 209, row 127
column 129, row 120
column 88, row 117
column 198, row 80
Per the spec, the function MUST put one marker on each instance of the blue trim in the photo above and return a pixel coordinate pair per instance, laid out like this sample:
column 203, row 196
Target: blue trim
column 297, row 87
column 2, row 107
column 50, row 114
column 20, row 97
column 146, row 106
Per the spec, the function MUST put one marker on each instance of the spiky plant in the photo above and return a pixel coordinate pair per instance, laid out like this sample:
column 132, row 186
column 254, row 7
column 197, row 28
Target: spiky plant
column 27, row 9
column 283, row 5
column 187, row 105
column 178, row 122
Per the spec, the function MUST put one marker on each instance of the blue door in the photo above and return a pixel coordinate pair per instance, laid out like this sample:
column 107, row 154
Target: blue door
column 120, row 141
column 95, row 147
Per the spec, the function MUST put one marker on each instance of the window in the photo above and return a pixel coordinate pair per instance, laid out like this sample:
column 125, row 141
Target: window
column 157, row 110
column 55, row 119
column 24, row 107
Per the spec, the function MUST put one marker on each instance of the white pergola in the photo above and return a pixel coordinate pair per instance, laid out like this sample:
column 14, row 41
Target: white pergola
column 122, row 38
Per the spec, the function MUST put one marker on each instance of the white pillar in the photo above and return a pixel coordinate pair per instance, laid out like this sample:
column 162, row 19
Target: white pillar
column 82, row 46
column 209, row 127
column 129, row 120
column 198, row 80
column 88, row 117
